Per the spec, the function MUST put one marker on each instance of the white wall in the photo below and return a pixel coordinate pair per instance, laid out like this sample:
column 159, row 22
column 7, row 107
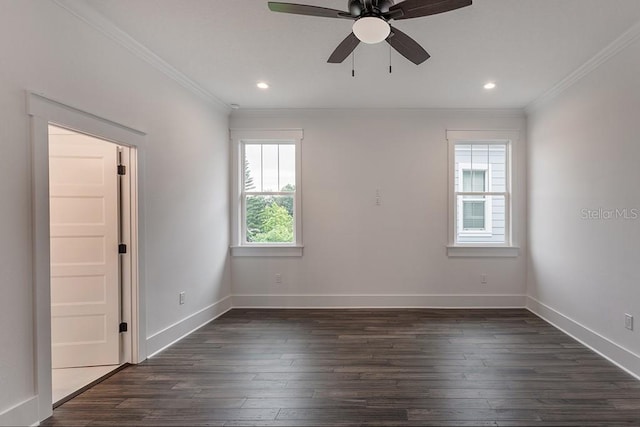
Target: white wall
column 45, row 49
column 584, row 149
column 396, row 250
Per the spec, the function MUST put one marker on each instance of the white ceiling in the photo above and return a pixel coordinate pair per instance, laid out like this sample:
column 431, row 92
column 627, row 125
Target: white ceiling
column 226, row 46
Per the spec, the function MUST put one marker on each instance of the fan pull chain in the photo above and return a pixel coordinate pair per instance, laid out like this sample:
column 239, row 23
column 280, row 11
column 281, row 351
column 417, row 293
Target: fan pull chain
column 390, row 68
column 353, row 64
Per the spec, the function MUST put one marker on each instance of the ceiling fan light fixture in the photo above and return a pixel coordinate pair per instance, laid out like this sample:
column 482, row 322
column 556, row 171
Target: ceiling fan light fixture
column 371, row 30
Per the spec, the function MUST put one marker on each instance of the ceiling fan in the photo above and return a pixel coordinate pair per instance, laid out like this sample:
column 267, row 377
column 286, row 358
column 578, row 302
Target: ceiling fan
column 372, row 23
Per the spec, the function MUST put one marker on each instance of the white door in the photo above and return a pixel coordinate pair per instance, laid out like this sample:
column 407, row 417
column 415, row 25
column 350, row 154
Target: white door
column 85, row 308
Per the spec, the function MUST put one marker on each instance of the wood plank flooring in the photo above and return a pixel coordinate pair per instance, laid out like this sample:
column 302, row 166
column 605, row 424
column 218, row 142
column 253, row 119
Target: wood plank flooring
column 366, row 368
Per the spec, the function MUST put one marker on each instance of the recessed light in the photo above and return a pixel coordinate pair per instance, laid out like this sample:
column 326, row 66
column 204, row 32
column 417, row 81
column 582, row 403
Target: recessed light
column 490, row 85
column 262, row 85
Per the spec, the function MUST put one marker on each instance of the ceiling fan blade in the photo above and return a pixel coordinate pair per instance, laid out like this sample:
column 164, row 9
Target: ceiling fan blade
column 407, row 47
column 344, row 49
column 303, row 9
column 417, row 8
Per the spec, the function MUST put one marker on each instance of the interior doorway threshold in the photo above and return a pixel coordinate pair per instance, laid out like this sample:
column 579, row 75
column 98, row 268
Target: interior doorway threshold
column 71, row 382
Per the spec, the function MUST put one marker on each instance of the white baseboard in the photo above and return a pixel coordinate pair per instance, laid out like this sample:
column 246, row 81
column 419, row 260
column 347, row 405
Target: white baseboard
column 378, row 301
column 618, row 355
column 23, row 414
column 171, row 334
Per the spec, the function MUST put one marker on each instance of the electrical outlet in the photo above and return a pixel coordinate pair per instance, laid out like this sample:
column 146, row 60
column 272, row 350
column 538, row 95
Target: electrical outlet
column 483, row 279
column 628, row 321
column 278, row 278
column 182, row 294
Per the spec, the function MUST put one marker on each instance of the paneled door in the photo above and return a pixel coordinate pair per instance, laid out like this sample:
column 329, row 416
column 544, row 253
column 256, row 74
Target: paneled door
column 85, row 301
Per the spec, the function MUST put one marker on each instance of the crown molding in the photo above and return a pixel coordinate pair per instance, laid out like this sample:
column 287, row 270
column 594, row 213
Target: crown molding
column 93, row 18
column 619, row 44
column 315, row 112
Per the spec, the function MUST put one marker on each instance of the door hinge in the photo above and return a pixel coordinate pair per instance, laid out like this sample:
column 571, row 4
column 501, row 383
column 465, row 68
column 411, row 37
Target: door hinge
column 122, row 248
column 122, row 170
column 123, row 327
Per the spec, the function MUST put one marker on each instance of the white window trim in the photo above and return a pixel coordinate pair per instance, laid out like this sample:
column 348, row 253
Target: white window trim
column 508, row 248
column 240, row 247
column 488, row 208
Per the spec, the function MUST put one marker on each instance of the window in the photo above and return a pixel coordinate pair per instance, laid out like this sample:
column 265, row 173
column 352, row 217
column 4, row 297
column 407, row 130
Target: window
column 269, row 192
column 267, row 202
column 480, row 193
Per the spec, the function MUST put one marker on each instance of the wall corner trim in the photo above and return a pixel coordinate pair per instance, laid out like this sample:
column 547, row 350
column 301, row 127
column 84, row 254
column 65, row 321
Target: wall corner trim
column 24, row 413
column 174, row 333
column 618, row 45
column 615, row 353
column 96, row 20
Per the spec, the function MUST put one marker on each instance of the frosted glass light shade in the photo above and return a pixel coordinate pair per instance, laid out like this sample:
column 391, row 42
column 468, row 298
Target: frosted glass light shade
column 371, row 30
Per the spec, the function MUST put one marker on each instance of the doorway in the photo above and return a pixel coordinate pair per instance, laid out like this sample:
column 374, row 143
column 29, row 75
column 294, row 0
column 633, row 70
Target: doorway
column 45, row 112
column 87, row 176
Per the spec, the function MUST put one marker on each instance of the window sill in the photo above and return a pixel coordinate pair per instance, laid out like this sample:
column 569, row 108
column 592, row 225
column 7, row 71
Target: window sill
column 469, row 251
column 271, row 251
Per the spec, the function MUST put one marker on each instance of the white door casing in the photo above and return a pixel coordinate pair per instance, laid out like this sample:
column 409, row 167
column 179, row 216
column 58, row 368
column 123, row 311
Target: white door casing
column 42, row 112
column 85, row 301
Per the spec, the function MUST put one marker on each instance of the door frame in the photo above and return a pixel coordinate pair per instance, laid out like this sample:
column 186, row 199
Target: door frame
column 44, row 111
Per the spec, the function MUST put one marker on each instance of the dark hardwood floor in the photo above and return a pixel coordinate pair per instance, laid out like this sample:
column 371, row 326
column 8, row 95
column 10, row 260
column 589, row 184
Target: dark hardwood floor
column 366, row 367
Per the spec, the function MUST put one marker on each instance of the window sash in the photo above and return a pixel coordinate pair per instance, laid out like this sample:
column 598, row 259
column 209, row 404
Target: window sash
column 243, row 206
column 243, row 161
column 458, row 220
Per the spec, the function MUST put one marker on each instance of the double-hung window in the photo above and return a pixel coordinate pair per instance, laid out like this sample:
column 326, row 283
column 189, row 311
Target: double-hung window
column 267, row 193
column 480, row 199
